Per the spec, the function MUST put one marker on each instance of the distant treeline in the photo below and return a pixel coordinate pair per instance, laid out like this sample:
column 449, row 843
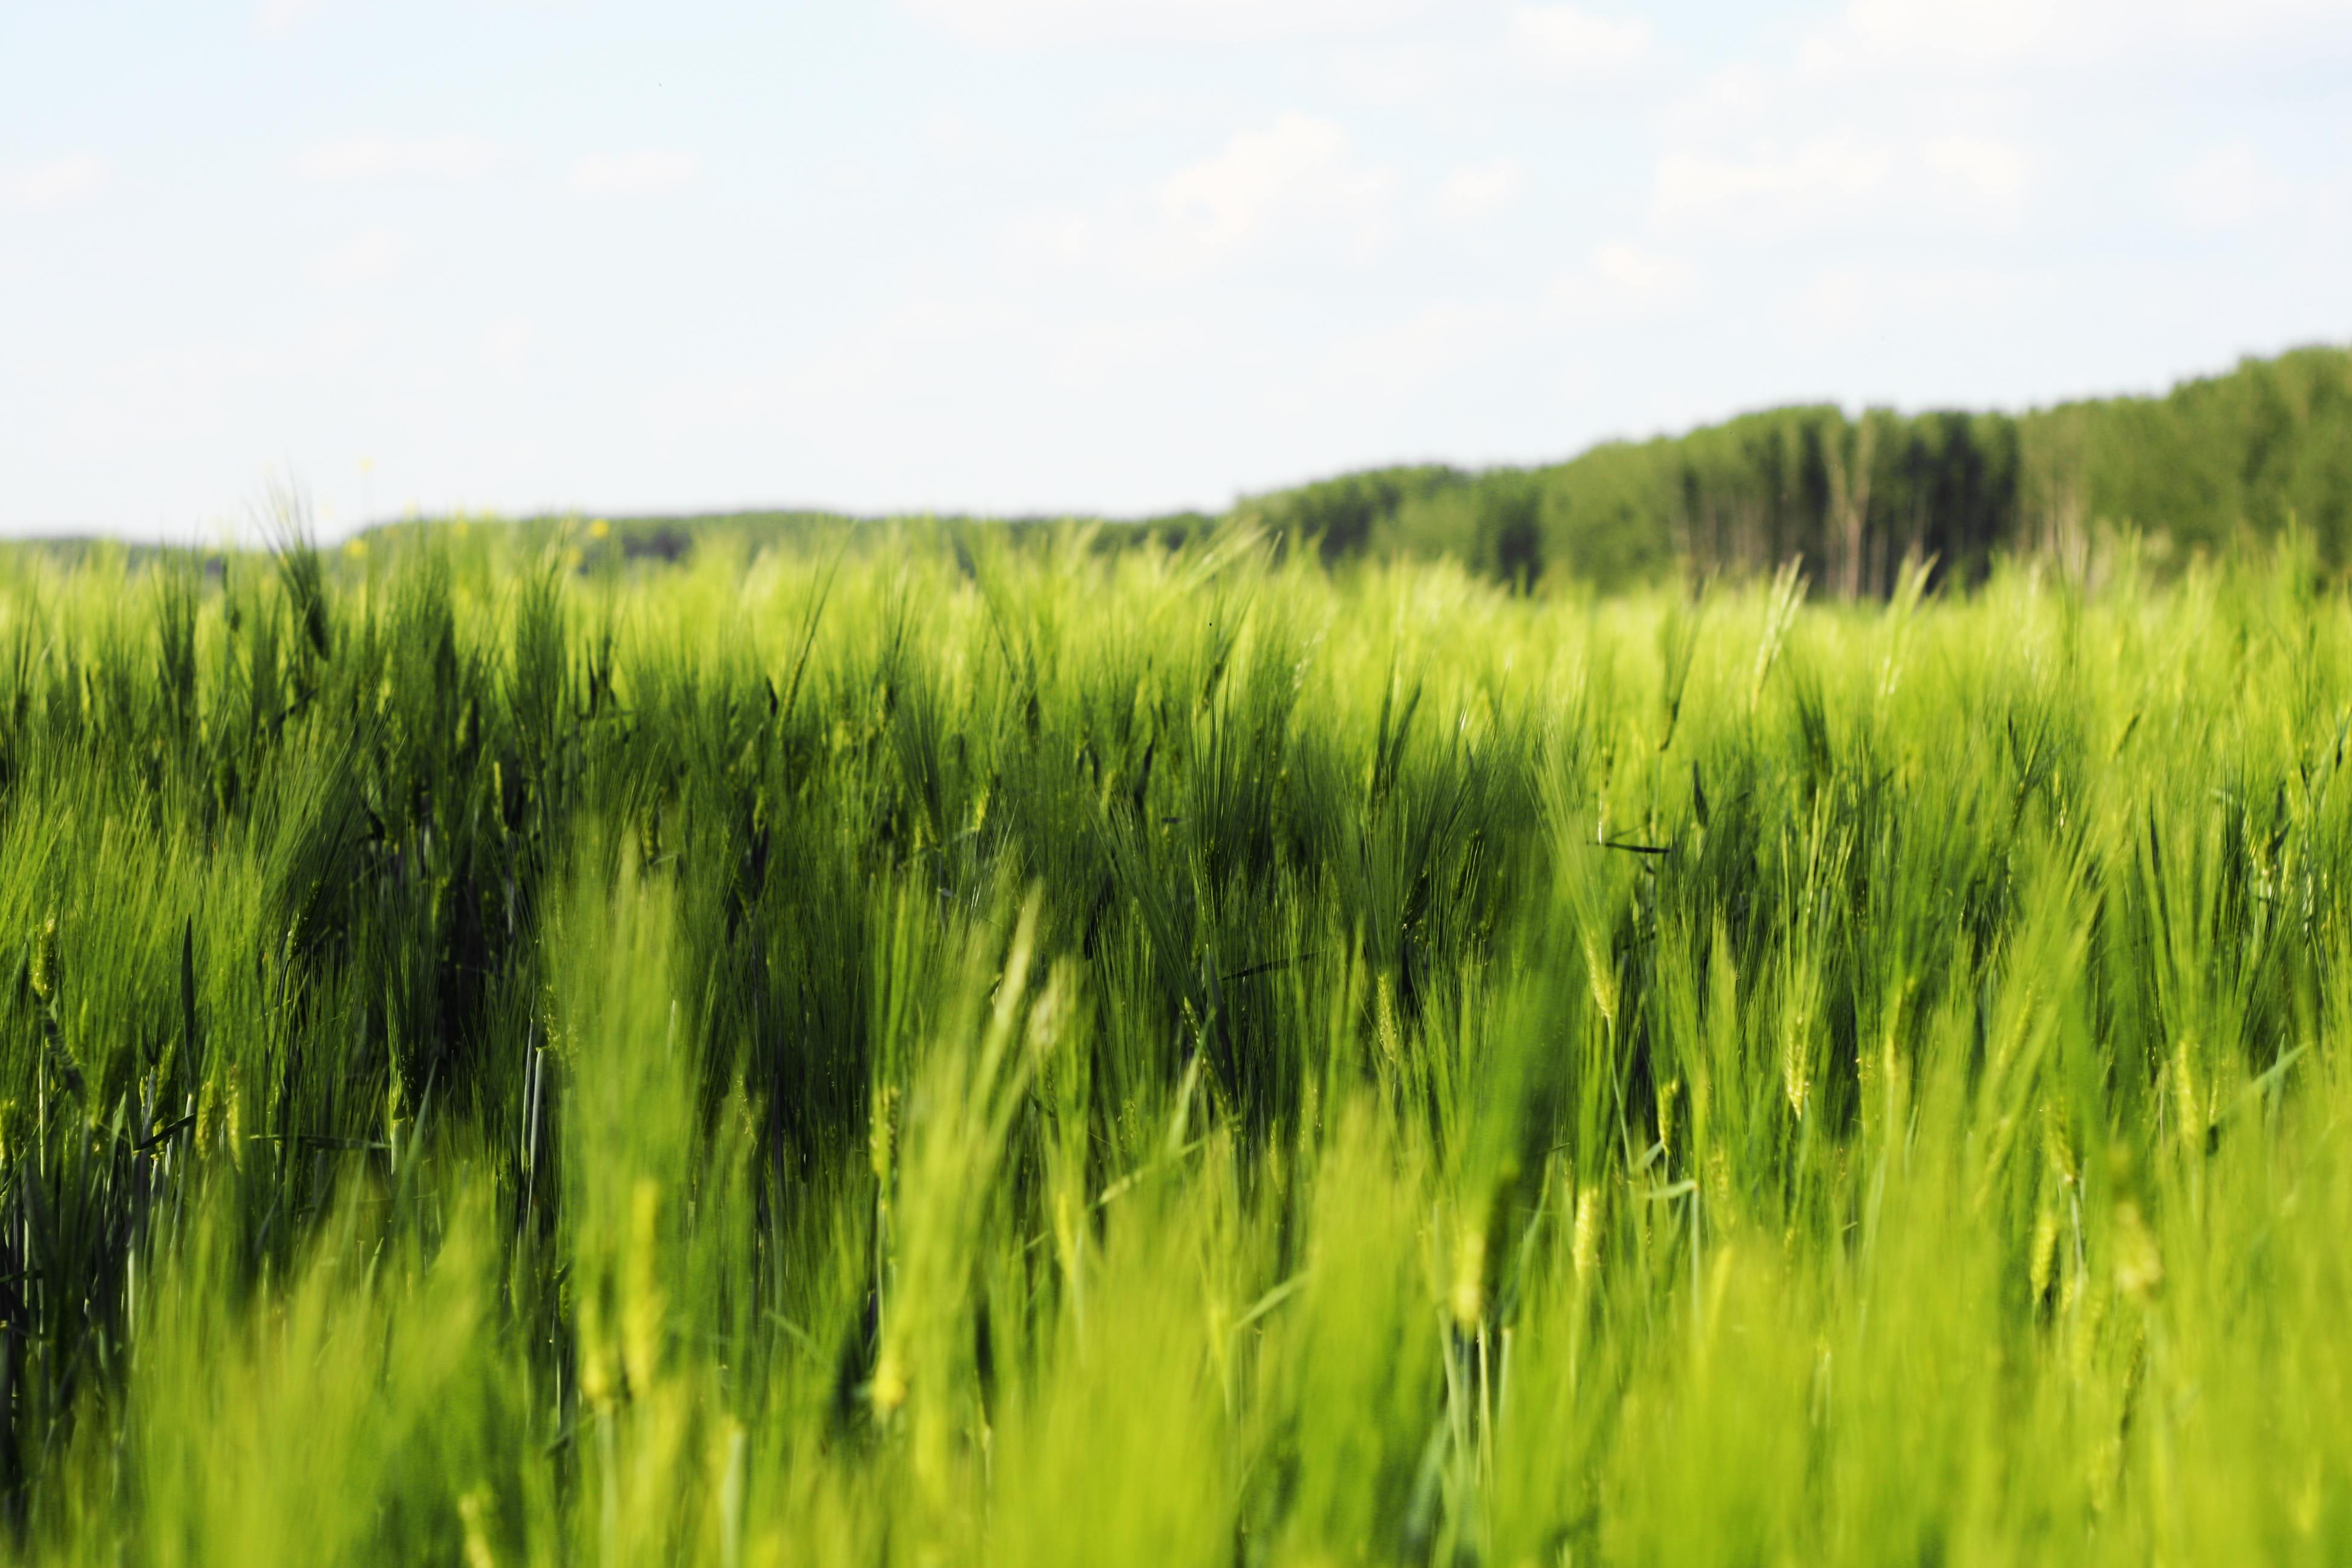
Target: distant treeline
column 1851, row 498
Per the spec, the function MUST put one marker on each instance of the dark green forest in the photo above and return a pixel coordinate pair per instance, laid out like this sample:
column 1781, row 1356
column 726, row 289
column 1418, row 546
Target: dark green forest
column 2266, row 446
column 2254, row 451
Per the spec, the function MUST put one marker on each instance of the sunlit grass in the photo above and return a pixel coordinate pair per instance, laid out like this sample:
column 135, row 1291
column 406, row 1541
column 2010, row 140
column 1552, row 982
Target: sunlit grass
column 953, row 1051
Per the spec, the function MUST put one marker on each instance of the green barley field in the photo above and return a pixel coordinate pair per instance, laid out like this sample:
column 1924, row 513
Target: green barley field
column 921, row 1046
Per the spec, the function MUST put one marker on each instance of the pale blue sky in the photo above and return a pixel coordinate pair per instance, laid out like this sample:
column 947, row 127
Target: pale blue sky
column 1121, row 254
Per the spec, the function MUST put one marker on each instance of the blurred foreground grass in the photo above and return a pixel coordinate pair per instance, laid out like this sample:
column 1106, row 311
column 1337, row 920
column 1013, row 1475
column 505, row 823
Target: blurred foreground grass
column 1025, row 1055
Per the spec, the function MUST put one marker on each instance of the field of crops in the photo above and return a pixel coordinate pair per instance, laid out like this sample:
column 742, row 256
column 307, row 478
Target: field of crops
column 931, row 1050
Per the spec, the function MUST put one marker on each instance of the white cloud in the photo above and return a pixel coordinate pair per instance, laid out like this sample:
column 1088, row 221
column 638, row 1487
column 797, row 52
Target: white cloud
column 57, row 183
column 1298, row 167
column 1392, row 76
column 1845, row 299
column 282, row 16
column 1623, row 280
column 337, row 342
column 1401, row 356
column 1294, row 182
column 507, row 346
column 2228, row 186
column 381, row 157
column 1991, row 176
column 633, row 173
column 1786, row 190
column 1948, row 36
column 362, row 261
column 1735, row 97
column 947, row 133
column 1051, row 241
column 1093, row 355
column 913, row 346
column 1475, row 190
column 1879, row 33
column 1773, row 187
column 1162, row 21
column 1564, row 38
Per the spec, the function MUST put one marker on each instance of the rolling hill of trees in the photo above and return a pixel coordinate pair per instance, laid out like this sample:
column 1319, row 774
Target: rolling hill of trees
column 2261, row 447
column 1850, row 496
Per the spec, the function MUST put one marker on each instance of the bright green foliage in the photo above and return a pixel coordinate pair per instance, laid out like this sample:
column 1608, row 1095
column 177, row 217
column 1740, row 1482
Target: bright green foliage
column 967, row 1050
column 1856, row 500
column 2254, row 450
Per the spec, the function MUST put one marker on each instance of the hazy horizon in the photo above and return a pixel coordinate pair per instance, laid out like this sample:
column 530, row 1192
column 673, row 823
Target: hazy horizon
column 1065, row 257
